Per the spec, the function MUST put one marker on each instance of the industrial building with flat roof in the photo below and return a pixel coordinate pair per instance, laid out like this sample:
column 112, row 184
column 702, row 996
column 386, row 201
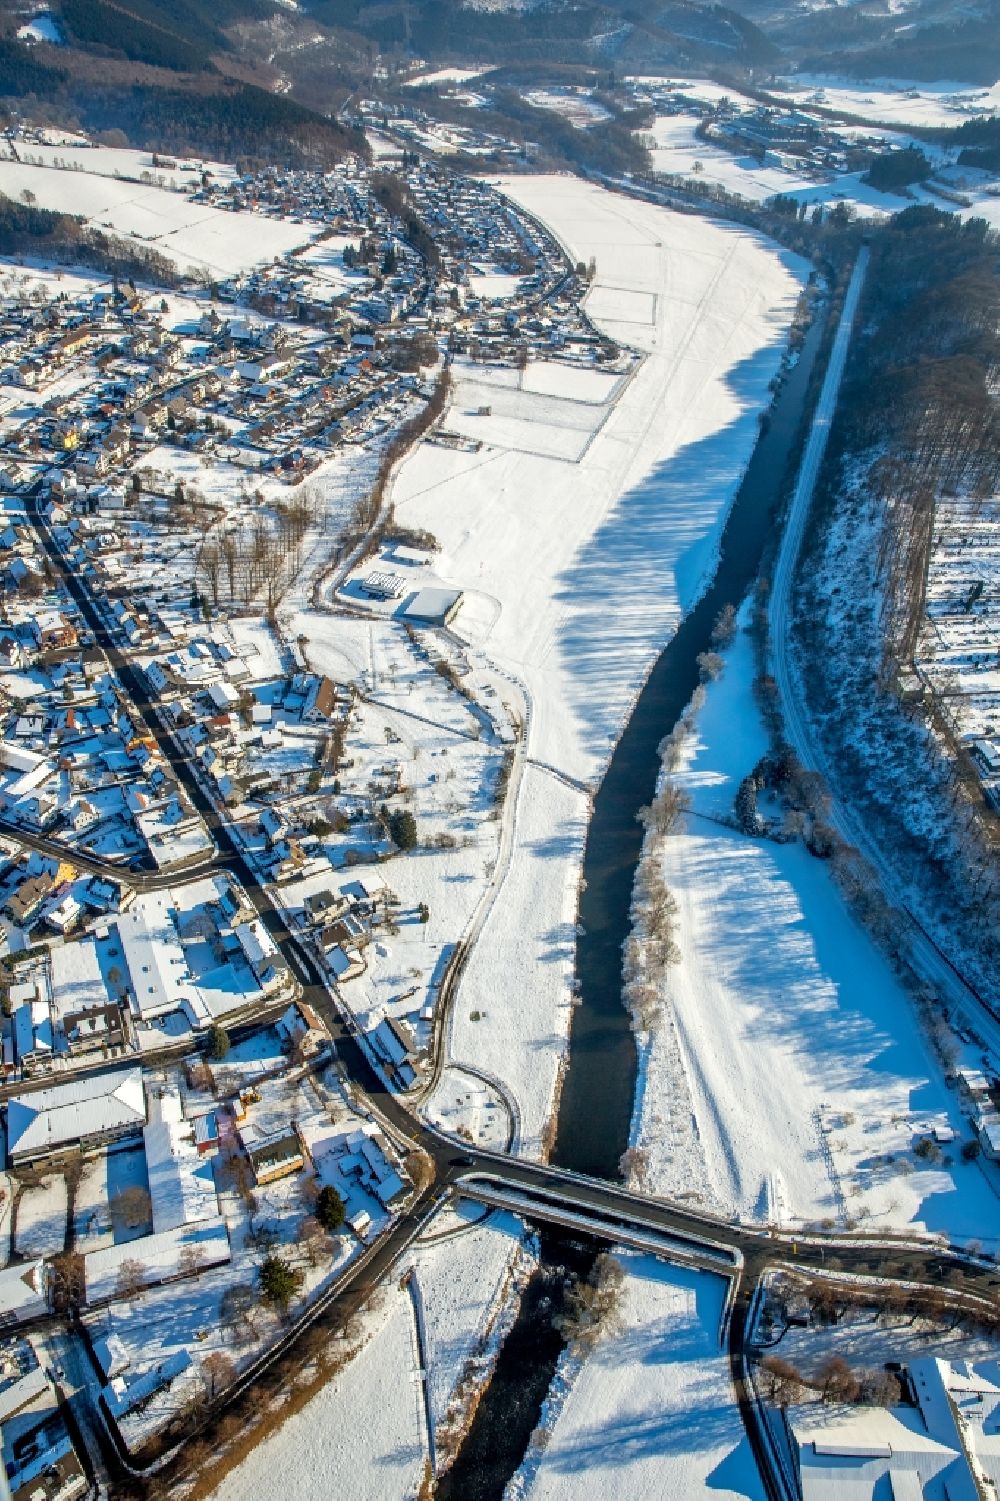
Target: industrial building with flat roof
column 432, row 606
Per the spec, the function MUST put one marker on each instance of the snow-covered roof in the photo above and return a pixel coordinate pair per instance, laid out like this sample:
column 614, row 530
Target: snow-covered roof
column 156, row 963
column 22, row 1290
column 256, row 943
column 92, row 1106
column 180, row 1181
column 112, row 1355
column 845, row 1452
column 158, row 1255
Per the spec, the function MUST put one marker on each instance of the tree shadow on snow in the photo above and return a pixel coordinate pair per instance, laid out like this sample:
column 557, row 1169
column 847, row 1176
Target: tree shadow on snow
column 665, row 528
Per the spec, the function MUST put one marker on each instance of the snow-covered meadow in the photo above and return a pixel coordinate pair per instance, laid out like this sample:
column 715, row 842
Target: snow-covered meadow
column 580, row 531
column 650, row 1412
column 677, row 150
column 194, row 236
column 365, row 1433
column 895, row 101
column 806, row 1077
column 618, row 508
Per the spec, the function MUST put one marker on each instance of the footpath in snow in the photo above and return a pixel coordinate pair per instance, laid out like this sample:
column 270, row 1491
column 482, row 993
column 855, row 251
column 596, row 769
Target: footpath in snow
column 807, row 1079
column 579, row 530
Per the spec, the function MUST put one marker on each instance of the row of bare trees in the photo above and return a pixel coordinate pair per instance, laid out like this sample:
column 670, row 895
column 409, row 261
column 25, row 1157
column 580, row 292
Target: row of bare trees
column 783, row 1383
column 238, row 564
column 651, row 947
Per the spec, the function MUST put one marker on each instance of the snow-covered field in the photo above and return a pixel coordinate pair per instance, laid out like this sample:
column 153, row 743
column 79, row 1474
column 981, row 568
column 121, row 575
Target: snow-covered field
column 122, row 162
column 677, row 149
column 575, row 105
column 513, row 1010
column 444, row 75
column 365, row 1434
column 622, row 528
column 579, row 566
column 896, row 102
column 809, row 1078
column 192, row 235
column 650, row 1413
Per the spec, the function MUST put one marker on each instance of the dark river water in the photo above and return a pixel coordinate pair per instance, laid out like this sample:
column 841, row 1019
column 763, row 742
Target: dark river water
column 599, row 1089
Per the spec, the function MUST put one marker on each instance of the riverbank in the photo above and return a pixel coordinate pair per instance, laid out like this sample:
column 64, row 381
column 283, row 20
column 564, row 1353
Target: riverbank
column 588, row 562
column 808, row 1080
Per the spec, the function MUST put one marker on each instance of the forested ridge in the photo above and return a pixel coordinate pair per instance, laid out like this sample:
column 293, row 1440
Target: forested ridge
column 917, row 430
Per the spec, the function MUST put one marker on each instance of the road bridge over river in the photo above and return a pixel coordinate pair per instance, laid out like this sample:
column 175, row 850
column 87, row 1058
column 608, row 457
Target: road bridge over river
column 686, row 1231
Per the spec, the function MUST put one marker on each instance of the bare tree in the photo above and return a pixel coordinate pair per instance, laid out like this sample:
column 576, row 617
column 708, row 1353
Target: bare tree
column 780, row 1381
column 236, row 1312
column 594, row 1306
column 217, row 1372
column 666, row 808
column 880, row 1388
column 132, row 1279
column 838, row 1382
column 132, row 1207
column 634, row 1167
column 189, row 1260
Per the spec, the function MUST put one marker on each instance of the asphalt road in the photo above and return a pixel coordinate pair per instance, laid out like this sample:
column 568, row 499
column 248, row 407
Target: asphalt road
column 455, row 1167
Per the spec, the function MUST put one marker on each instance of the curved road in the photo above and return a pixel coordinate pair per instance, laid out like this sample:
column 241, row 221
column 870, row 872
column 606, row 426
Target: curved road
column 544, row 1191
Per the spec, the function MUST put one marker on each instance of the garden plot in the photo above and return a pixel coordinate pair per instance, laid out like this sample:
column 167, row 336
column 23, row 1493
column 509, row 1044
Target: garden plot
column 777, row 982
column 127, row 1190
column 192, row 235
column 92, row 1225
column 651, row 1411
column 41, row 1218
column 521, row 421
